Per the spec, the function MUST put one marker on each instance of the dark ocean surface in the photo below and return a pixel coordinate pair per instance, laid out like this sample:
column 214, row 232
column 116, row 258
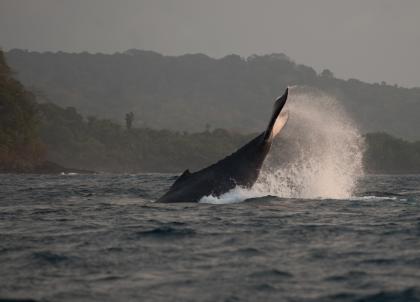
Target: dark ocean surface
column 101, row 238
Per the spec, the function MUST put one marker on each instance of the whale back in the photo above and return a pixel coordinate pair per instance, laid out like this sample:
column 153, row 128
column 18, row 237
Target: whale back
column 241, row 168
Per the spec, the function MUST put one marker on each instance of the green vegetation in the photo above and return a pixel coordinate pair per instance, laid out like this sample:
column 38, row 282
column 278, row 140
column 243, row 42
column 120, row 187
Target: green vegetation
column 387, row 154
column 102, row 145
column 28, row 129
column 185, row 93
column 20, row 147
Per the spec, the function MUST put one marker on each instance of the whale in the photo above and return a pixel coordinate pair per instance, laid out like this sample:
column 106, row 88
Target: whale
column 241, row 168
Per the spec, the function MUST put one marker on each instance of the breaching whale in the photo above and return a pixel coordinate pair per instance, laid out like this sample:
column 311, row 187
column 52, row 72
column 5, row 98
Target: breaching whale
column 241, row 168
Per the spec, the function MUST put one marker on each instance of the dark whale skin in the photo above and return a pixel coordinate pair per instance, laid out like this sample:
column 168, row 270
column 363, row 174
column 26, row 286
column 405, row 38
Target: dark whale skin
column 241, row 168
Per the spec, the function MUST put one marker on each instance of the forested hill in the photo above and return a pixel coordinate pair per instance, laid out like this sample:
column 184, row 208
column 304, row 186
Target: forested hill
column 101, row 145
column 32, row 135
column 20, row 146
column 191, row 91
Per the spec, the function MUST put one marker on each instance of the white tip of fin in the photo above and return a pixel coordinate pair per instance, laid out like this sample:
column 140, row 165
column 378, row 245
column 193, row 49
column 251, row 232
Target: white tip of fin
column 279, row 124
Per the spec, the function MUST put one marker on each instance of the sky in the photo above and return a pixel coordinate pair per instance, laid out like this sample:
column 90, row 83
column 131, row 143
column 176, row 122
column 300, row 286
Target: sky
column 370, row 40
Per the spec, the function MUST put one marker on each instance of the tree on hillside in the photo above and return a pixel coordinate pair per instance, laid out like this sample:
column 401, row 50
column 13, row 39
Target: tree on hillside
column 183, row 92
column 20, row 148
column 326, row 73
column 129, row 117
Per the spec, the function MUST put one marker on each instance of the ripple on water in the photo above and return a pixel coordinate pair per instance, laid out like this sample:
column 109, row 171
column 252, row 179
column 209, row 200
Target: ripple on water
column 270, row 273
column 411, row 294
column 51, row 258
column 95, row 238
column 165, row 232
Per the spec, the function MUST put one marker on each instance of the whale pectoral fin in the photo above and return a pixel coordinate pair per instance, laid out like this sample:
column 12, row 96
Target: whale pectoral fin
column 280, row 123
column 277, row 120
column 182, row 177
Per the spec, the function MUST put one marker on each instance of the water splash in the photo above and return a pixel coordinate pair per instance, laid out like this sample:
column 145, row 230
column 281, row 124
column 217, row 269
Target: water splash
column 318, row 155
column 321, row 153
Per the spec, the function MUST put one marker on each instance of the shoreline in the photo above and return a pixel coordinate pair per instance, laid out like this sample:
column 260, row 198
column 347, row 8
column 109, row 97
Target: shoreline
column 47, row 167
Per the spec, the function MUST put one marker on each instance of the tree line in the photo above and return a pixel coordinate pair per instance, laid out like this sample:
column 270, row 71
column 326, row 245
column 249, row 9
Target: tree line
column 185, row 93
column 103, row 145
column 20, row 146
column 32, row 133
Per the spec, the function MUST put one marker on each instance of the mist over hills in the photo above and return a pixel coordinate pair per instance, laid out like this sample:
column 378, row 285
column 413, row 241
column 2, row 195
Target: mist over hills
column 191, row 91
column 47, row 138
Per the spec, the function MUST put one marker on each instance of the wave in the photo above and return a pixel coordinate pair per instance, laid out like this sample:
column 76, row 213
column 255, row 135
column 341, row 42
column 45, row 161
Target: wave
column 165, row 231
column 239, row 194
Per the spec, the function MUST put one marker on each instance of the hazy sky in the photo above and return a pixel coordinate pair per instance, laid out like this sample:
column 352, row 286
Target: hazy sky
column 372, row 40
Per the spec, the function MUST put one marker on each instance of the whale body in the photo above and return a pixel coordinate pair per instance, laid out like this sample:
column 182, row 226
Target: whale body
column 241, row 168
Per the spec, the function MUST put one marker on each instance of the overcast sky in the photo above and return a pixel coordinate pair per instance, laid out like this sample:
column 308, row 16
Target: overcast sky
column 372, row 40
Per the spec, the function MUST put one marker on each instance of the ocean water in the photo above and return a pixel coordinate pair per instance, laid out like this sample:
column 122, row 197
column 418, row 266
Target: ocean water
column 102, row 238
